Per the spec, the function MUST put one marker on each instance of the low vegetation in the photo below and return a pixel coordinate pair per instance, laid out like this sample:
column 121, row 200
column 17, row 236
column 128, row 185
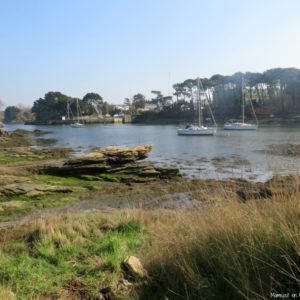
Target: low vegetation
column 232, row 251
column 67, row 257
column 229, row 250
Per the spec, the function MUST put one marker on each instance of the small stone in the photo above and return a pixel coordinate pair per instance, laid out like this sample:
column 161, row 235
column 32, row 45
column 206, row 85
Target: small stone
column 134, row 268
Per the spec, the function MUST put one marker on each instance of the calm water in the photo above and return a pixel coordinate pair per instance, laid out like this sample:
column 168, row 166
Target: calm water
column 227, row 154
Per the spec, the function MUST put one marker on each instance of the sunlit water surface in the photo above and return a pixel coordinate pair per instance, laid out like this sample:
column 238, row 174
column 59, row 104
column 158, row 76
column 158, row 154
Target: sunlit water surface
column 227, row 154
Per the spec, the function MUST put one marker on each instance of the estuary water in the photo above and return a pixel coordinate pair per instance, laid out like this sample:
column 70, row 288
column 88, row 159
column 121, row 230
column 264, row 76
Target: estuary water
column 228, row 154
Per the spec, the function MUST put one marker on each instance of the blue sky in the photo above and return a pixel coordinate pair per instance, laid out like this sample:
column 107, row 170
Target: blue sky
column 121, row 47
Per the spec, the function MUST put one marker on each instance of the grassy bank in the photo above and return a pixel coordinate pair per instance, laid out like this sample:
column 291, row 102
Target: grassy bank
column 230, row 250
column 66, row 257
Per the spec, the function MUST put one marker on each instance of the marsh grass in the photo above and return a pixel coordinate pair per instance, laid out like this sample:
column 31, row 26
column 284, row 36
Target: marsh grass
column 229, row 251
column 67, row 256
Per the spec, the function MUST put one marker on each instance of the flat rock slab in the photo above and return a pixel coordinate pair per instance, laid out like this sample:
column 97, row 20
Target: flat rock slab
column 31, row 189
column 124, row 163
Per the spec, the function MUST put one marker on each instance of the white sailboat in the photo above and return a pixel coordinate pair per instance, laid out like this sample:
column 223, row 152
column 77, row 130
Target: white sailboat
column 77, row 124
column 242, row 125
column 198, row 129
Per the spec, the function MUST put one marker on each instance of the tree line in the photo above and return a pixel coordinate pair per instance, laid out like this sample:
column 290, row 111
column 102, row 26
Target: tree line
column 275, row 91
column 54, row 106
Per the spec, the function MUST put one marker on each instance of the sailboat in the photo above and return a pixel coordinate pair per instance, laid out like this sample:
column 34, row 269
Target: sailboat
column 198, row 129
column 242, row 125
column 77, row 124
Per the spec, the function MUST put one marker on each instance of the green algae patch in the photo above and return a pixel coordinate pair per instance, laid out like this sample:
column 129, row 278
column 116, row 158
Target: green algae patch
column 70, row 181
column 4, row 160
column 78, row 184
column 112, row 177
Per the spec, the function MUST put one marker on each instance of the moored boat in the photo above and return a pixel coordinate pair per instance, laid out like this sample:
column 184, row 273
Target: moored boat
column 242, row 125
column 198, row 129
column 78, row 124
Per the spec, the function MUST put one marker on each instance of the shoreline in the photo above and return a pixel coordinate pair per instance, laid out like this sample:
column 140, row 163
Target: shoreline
column 221, row 166
column 26, row 184
column 69, row 235
column 155, row 120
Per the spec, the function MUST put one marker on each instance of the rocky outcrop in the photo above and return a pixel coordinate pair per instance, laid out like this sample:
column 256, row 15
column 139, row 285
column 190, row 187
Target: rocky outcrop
column 114, row 164
column 117, row 155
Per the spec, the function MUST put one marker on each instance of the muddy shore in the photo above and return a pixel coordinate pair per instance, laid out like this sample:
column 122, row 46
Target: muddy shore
column 33, row 181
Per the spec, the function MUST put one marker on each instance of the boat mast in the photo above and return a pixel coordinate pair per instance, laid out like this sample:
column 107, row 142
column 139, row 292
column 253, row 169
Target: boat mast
column 208, row 103
column 243, row 101
column 253, row 111
column 199, row 103
column 68, row 111
column 77, row 110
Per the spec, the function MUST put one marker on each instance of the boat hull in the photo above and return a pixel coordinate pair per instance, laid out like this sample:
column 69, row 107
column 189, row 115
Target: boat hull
column 196, row 131
column 240, row 126
column 77, row 125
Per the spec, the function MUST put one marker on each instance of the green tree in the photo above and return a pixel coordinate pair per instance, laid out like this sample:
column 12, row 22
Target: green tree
column 54, row 106
column 128, row 102
column 105, row 108
column 139, row 101
column 158, row 99
column 293, row 90
column 179, row 91
column 94, row 100
column 92, row 97
column 11, row 114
